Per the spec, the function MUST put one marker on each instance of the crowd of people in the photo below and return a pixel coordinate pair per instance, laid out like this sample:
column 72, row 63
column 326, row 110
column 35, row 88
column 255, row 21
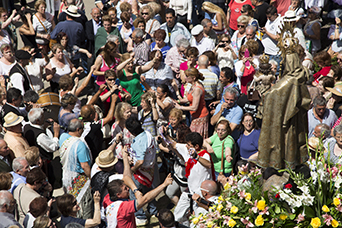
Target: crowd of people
column 145, row 97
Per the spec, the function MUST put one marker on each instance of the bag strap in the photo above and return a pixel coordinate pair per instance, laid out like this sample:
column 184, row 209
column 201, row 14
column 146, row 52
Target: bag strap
column 222, row 160
column 19, row 198
column 151, row 26
column 41, row 23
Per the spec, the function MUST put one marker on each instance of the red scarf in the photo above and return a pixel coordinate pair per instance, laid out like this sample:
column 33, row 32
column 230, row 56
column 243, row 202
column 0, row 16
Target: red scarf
column 191, row 162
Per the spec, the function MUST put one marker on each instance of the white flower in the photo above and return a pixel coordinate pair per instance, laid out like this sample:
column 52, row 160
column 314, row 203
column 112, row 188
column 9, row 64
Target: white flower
column 314, row 177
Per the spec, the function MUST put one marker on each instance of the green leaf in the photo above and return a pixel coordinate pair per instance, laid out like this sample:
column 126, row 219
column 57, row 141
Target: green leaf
column 309, row 212
column 277, row 209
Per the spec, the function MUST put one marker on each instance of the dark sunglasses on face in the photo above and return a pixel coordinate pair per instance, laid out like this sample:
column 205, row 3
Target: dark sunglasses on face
column 144, row 13
column 110, row 79
column 240, row 26
column 74, row 203
column 243, row 11
column 224, row 41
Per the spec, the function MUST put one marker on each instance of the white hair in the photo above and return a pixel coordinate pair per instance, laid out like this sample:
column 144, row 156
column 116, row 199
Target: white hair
column 138, row 32
column 183, row 43
column 112, row 38
column 16, row 164
column 4, row 198
column 35, row 114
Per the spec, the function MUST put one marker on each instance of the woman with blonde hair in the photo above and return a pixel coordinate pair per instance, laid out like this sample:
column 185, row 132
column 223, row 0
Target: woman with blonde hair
column 240, row 33
column 195, row 97
column 218, row 17
column 151, row 24
column 148, row 115
column 156, row 10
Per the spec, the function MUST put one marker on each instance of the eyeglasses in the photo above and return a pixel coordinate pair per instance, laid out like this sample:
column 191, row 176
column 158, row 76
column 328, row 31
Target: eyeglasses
column 225, row 41
column 243, row 11
column 339, row 59
column 241, row 26
column 110, row 79
column 144, row 13
column 74, row 203
column 203, row 189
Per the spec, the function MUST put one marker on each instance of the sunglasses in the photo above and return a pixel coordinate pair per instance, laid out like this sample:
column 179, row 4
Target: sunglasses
column 242, row 11
column 74, row 203
column 110, row 79
column 241, row 26
column 225, row 41
column 339, row 59
column 144, row 13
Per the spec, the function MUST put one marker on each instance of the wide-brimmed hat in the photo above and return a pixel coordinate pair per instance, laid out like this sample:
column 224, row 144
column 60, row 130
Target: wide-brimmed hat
column 106, row 159
column 12, row 119
column 290, row 16
column 314, row 144
column 337, row 90
column 72, row 11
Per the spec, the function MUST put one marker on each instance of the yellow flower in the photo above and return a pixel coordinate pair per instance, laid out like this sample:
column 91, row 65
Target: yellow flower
column 325, row 209
column 259, row 221
column 283, row 217
column 315, row 222
column 337, row 202
column 210, row 224
column 227, row 186
column 212, row 208
column 219, row 207
column 261, row 205
column 334, row 223
column 248, row 196
column 195, row 220
column 220, row 199
column 231, row 223
column 234, row 209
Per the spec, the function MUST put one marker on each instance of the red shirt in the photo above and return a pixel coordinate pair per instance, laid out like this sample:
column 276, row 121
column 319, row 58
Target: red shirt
column 324, row 72
column 106, row 103
column 235, row 12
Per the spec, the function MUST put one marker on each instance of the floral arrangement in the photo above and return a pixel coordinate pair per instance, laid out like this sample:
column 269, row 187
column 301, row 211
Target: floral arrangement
column 307, row 202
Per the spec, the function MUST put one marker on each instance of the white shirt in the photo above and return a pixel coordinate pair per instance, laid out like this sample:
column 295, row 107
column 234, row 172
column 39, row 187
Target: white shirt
column 198, row 173
column 96, row 26
column 46, row 141
column 34, row 70
column 225, row 58
column 270, row 45
column 205, row 44
column 17, row 81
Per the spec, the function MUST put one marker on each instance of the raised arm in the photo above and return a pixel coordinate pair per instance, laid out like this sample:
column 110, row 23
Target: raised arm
column 97, row 94
column 96, row 220
column 110, row 114
column 85, row 82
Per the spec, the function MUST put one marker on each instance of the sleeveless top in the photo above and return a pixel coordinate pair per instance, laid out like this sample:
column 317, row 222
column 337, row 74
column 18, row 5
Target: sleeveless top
column 133, row 87
column 104, row 67
column 60, row 71
column 215, row 23
column 202, row 110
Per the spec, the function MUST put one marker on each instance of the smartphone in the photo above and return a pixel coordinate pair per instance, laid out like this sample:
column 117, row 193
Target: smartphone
column 247, row 55
column 117, row 82
column 222, row 45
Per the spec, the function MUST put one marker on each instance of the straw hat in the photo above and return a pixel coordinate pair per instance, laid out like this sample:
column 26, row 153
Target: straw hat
column 290, row 16
column 106, row 159
column 12, row 119
column 72, row 11
column 337, row 90
column 314, row 144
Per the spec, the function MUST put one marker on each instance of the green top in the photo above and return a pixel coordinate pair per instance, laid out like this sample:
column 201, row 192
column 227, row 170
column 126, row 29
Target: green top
column 133, row 87
column 216, row 144
column 101, row 38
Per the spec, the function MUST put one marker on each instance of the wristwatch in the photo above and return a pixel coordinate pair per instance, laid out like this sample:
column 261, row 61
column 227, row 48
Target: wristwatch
column 135, row 190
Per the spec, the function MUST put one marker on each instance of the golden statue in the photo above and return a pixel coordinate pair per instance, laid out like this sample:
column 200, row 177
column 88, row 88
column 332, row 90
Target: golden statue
column 285, row 106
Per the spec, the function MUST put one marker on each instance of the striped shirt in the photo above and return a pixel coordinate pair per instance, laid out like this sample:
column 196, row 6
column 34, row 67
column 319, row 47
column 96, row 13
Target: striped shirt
column 210, row 84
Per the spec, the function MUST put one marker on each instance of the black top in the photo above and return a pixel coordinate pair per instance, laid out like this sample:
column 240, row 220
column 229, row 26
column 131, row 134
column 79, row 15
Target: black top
column 66, row 220
column 6, row 109
column 260, row 14
column 94, row 138
column 29, row 40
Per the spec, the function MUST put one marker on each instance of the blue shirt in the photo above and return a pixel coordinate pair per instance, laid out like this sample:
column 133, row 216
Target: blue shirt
column 233, row 114
column 140, row 145
column 329, row 118
column 17, row 179
column 248, row 145
column 83, row 153
column 75, row 33
column 164, row 49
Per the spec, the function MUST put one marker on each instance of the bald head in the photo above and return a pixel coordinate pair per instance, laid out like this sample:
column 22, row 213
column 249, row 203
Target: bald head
column 95, row 14
column 203, row 62
column 88, row 112
column 211, row 186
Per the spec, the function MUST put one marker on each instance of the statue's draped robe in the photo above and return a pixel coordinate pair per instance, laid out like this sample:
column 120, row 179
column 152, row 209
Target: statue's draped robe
column 285, row 121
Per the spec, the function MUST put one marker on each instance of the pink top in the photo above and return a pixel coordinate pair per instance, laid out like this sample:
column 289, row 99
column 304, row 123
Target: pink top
column 104, row 67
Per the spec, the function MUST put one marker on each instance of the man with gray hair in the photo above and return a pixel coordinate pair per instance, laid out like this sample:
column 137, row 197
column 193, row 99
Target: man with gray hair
column 76, row 162
column 250, row 35
column 140, row 47
column 228, row 109
column 20, row 169
column 7, row 206
column 91, row 28
column 38, row 134
column 319, row 113
column 208, row 30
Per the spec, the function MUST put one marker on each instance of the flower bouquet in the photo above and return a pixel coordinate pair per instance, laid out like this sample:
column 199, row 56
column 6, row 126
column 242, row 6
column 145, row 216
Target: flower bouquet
column 307, row 202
